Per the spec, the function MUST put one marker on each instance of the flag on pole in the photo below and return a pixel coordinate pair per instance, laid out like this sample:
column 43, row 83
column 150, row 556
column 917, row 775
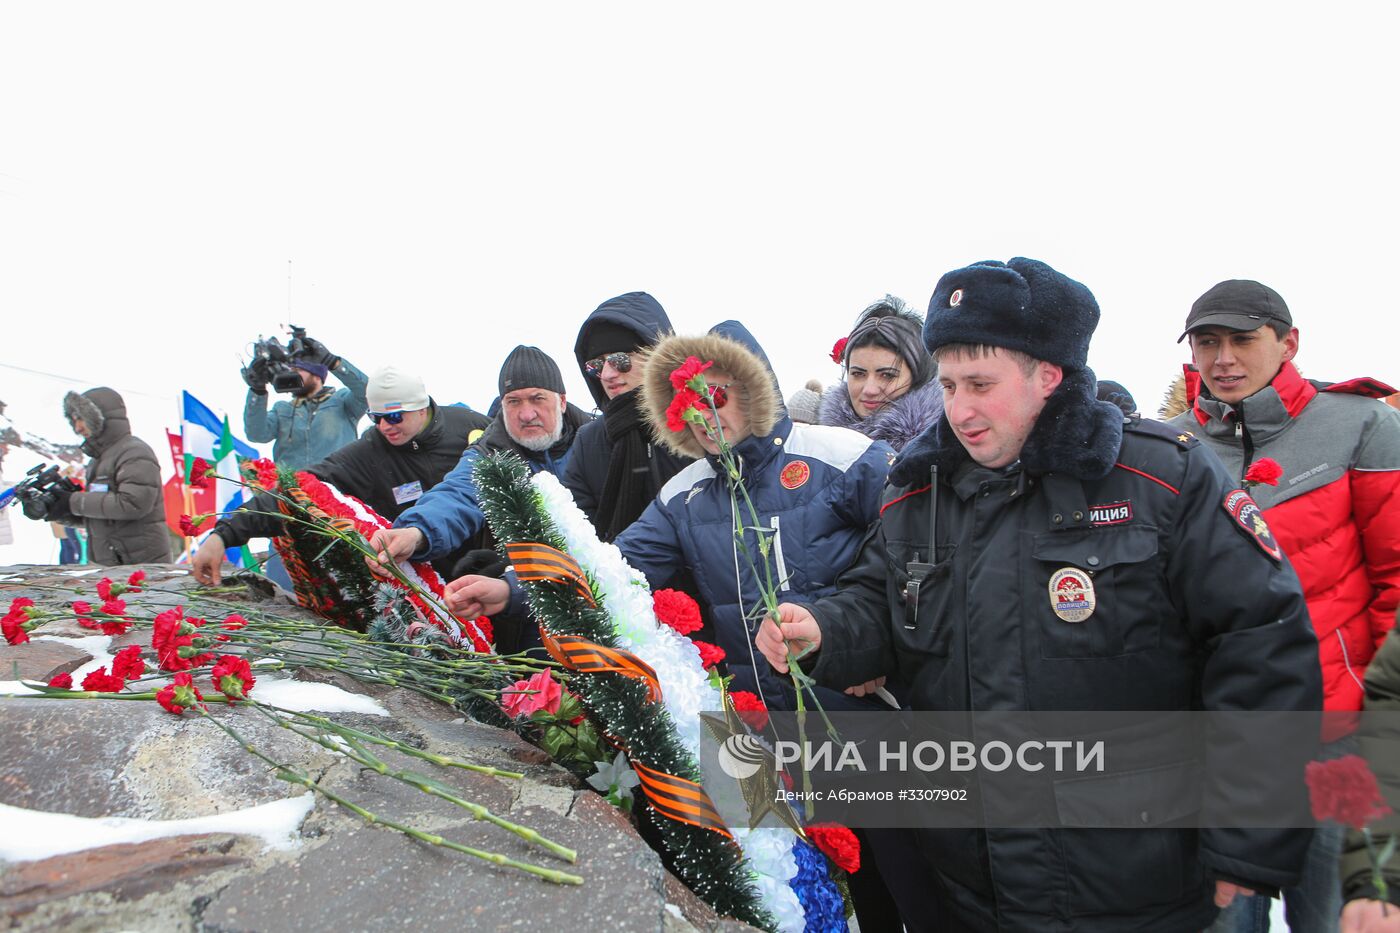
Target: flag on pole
column 207, row 436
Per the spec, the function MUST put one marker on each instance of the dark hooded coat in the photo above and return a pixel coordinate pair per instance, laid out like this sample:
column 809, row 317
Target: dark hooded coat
column 599, row 441
column 122, row 506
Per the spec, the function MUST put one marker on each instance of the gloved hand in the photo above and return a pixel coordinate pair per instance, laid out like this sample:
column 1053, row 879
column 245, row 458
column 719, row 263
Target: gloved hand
column 314, row 351
column 257, row 376
column 36, row 505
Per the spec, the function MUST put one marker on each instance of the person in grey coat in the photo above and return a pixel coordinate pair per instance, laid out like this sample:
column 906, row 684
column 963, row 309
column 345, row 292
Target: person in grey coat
column 122, row 507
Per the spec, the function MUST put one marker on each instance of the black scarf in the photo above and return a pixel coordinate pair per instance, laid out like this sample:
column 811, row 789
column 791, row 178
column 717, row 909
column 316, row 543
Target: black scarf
column 628, row 489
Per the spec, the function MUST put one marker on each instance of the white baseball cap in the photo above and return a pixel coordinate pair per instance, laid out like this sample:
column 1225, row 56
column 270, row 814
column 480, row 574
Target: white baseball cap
column 391, row 389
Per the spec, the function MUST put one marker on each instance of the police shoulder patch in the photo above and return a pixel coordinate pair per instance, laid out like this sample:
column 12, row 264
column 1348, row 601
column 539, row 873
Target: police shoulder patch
column 1245, row 513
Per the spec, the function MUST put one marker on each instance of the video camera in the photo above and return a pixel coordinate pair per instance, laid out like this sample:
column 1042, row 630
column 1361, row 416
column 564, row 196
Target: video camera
column 272, row 362
column 41, row 482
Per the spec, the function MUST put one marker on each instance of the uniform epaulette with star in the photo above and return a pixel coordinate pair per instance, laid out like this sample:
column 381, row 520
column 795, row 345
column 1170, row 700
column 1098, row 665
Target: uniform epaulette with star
column 1158, row 429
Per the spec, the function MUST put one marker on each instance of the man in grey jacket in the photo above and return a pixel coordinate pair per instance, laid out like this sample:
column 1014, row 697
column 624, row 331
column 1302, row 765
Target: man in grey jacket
column 122, row 507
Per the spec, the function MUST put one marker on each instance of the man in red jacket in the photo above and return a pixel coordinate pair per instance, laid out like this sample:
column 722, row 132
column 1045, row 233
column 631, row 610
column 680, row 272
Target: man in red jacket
column 1334, row 510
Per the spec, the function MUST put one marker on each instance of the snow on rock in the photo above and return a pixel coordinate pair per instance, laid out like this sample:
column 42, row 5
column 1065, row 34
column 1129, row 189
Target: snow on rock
column 35, row 834
column 303, row 697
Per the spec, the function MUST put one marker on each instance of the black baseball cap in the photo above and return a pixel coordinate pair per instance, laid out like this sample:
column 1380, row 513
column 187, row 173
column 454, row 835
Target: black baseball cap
column 1239, row 304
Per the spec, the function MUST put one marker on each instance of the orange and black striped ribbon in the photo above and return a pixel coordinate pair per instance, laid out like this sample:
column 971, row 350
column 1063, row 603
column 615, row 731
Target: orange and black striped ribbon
column 580, row 654
column 537, row 563
column 680, row 799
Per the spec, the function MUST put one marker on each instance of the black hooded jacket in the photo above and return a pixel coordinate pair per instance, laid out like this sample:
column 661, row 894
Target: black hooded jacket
column 642, row 316
column 388, row 479
column 122, row 508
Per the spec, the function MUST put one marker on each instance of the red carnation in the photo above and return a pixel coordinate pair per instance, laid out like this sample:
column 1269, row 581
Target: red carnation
column 128, row 664
column 102, row 682
column 1265, row 470
column 104, row 589
column 233, row 677
column 750, row 709
column 62, row 682
column 1344, row 789
column 691, row 368
column 677, row 610
column 710, row 655
column 234, row 622
column 685, row 400
column 838, row 350
column 838, row 844
column 134, row 582
column 16, row 623
column 190, row 527
column 179, row 695
column 82, row 608
column 114, row 607
column 200, row 473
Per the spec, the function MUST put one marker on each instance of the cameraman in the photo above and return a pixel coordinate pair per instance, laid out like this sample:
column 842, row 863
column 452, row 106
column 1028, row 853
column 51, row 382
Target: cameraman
column 122, row 507
column 318, row 420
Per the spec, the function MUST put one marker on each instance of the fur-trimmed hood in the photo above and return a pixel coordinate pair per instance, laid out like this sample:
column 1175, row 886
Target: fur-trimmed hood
column 103, row 411
column 734, row 352
column 896, row 424
column 1175, row 401
column 1076, row 434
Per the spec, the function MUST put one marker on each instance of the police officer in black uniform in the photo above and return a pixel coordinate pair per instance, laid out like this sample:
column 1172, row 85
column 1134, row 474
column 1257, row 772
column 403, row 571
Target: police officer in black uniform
column 1040, row 551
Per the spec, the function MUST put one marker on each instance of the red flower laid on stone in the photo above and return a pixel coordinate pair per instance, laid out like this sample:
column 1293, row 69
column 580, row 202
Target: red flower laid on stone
column 688, row 370
column 102, row 682
column 127, row 663
column 234, row 621
column 710, row 655
column 201, row 473
column 750, row 709
column 233, row 677
column 114, row 607
column 104, row 589
column 62, row 682
column 189, row 527
column 838, row 844
column 82, row 608
column 1266, row 470
column 18, row 621
column 170, row 632
column 1344, row 789
column 135, row 581
column 838, row 350
column 676, row 610
column 180, row 695
column 547, row 694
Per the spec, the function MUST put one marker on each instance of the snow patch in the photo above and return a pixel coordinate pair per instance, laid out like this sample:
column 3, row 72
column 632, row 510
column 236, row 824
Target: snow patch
column 302, row 697
column 17, row 688
column 36, row 834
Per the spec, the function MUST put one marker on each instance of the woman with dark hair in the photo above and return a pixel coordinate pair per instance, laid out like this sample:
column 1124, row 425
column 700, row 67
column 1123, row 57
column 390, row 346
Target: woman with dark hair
column 889, row 393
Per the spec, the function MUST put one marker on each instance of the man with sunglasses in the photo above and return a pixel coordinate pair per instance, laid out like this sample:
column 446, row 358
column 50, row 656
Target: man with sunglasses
column 616, row 469
column 413, row 445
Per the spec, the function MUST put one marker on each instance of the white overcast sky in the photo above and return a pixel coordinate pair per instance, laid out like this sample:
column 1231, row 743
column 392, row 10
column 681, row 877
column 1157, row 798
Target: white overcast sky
column 450, row 179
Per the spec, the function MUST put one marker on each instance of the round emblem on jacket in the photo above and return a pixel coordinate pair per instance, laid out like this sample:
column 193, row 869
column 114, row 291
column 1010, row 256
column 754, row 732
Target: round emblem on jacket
column 955, row 299
column 795, row 474
column 1072, row 594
